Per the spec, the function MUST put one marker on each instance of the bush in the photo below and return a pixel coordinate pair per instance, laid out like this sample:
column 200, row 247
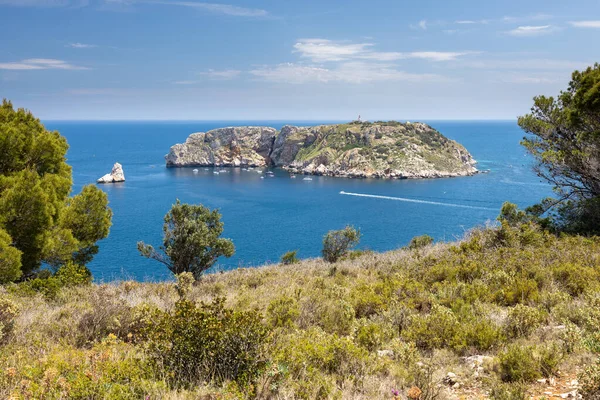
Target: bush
column 208, row 343
column 440, row 328
column 336, row 244
column 590, row 381
column 312, row 354
column 290, row 258
column 8, row 313
column 10, row 259
column 517, row 364
column 282, row 312
column 418, row 242
column 509, row 391
column 191, row 240
column 550, row 357
column 370, row 335
column 522, row 320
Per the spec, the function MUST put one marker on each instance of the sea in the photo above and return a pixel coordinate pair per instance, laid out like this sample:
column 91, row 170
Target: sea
column 268, row 215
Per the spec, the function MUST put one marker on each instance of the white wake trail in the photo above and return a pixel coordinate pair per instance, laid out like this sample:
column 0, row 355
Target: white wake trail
column 435, row 203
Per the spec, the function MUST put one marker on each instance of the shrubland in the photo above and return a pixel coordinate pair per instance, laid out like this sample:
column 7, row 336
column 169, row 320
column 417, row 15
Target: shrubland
column 520, row 301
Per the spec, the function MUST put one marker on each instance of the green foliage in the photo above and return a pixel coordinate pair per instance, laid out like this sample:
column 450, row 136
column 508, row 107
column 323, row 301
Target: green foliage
column 564, row 141
column 549, row 356
column 336, row 244
column 10, row 259
column 110, row 370
column 8, row 313
column 312, row 355
column 509, row 391
column 590, row 381
column 206, row 343
column 191, row 240
column 419, row 242
column 437, row 329
column 282, row 312
column 35, row 181
column 290, row 258
column 517, row 364
column 370, row 335
column 523, row 320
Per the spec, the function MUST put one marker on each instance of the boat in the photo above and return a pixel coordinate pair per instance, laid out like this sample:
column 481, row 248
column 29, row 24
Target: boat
column 308, row 178
column 262, row 177
column 195, row 171
column 293, row 176
column 216, row 172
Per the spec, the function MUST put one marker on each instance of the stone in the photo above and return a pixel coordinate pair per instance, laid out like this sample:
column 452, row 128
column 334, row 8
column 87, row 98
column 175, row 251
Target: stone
column 450, row 379
column 383, row 150
column 116, row 175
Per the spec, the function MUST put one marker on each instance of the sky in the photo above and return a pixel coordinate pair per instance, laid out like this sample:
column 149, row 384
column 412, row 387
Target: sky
column 291, row 60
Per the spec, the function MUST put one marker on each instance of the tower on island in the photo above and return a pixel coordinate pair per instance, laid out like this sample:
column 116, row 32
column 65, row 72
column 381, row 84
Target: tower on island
column 358, row 119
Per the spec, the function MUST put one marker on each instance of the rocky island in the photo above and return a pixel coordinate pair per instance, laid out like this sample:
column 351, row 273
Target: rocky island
column 356, row 150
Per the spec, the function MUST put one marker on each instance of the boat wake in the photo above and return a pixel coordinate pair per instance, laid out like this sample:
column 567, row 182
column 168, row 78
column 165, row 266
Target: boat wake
column 435, row 203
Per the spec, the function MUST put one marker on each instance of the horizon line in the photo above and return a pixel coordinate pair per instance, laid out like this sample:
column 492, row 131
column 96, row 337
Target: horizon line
column 278, row 120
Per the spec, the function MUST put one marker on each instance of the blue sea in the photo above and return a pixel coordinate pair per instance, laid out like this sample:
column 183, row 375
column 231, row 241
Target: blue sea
column 267, row 217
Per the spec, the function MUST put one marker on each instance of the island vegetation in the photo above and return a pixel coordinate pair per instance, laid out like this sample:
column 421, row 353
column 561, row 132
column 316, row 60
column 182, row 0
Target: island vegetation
column 360, row 149
column 510, row 311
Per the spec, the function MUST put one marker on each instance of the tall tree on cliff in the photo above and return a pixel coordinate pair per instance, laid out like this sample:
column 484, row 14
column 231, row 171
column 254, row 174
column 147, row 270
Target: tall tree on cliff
column 565, row 141
column 37, row 216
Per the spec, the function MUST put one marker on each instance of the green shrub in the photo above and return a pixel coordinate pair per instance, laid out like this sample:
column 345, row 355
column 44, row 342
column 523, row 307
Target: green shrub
column 482, row 333
column 282, row 312
column 208, row 343
column 522, row 320
column 311, row 351
column 10, row 259
column 72, row 274
column 575, row 279
column 8, row 313
column 290, row 258
column 590, row 381
column 418, row 242
column 509, row 391
column 550, row 356
column 369, row 335
column 437, row 329
column 336, row 244
column 517, row 364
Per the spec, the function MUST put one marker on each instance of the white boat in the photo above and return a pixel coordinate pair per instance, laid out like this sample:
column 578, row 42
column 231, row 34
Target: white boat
column 195, row 171
column 206, row 169
column 258, row 171
column 293, row 176
column 307, row 179
column 216, row 172
column 262, row 177
column 223, row 170
column 250, row 169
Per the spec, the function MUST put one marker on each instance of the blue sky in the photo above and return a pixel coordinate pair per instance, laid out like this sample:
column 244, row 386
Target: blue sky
column 295, row 60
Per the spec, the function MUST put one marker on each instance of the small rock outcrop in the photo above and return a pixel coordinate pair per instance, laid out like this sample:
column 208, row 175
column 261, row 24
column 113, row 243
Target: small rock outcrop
column 355, row 150
column 116, row 175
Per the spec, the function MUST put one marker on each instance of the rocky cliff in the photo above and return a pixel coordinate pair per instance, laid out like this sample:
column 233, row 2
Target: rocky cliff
column 357, row 149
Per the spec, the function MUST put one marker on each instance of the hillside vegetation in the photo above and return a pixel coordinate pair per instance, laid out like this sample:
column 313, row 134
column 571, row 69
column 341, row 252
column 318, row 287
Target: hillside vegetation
column 498, row 310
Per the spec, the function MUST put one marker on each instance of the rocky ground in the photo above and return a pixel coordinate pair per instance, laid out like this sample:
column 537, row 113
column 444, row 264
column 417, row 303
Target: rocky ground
column 355, row 150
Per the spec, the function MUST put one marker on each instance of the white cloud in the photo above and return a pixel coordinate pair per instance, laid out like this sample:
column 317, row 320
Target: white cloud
column 539, row 64
column 532, row 30
column 348, row 72
column 43, row 3
column 437, row 55
column 222, row 75
column 423, row 24
column 81, row 45
column 40, row 63
column 471, row 21
column 526, row 18
column 323, row 50
column 585, row 24
column 216, row 8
